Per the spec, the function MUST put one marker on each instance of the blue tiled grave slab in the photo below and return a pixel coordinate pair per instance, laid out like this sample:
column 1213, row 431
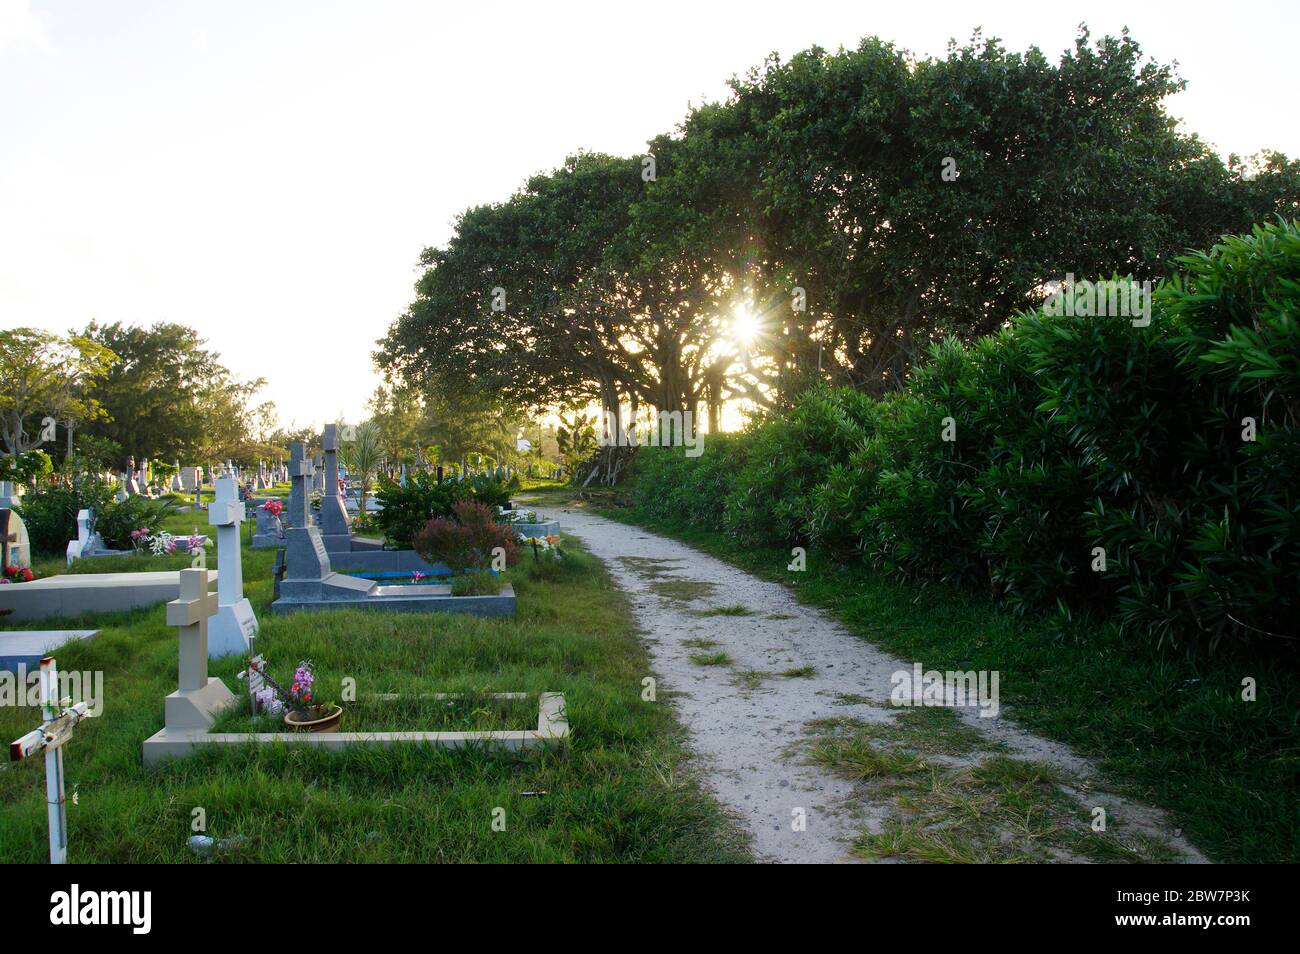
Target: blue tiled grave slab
column 27, row 647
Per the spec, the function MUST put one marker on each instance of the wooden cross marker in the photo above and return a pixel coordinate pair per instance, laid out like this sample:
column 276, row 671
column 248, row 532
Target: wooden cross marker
column 48, row 740
column 190, row 612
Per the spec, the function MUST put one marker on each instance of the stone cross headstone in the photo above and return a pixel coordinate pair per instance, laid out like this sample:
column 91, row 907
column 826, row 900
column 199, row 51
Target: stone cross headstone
column 318, row 483
column 56, row 729
column 15, row 548
column 234, row 624
column 198, row 698
column 333, row 513
column 78, row 546
column 301, row 472
column 306, row 561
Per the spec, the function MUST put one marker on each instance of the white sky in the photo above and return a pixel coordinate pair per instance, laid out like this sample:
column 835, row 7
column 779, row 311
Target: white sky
column 268, row 172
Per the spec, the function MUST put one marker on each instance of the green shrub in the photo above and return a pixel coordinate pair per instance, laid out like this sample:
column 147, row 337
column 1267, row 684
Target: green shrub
column 50, row 510
column 1068, row 434
column 787, row 458
column 116, row 521
column 406, row 510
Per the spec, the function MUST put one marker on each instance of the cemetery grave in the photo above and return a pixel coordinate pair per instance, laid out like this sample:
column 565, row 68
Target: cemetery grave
column 89, row 543
column 310, row 582
column 47, row 740
column 199, row 699
column 427, row 679
column 77, row 594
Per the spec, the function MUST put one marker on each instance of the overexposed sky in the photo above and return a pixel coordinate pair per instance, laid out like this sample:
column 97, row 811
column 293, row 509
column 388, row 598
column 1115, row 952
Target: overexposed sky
column 268, row 172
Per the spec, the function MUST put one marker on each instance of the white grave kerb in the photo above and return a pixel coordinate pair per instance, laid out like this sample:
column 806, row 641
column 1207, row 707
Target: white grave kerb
column 234, row 624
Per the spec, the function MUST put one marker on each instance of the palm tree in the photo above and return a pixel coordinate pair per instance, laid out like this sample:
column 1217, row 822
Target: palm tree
column 362, row 457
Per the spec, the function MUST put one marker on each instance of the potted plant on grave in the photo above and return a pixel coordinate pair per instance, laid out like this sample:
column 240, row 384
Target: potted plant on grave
column 302, row 711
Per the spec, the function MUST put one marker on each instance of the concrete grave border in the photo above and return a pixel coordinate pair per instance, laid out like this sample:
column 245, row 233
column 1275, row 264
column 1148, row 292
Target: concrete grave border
column 552, row 726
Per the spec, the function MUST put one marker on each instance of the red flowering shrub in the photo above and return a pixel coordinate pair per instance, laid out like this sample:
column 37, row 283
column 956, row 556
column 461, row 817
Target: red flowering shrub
column 465, row 541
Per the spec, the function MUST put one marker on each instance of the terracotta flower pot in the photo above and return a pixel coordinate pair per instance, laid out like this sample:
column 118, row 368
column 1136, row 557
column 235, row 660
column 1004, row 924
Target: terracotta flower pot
column 314, row 719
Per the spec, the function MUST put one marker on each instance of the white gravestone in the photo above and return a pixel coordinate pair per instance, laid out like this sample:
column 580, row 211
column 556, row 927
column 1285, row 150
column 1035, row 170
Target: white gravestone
column 197, row 699
column 234, row 624
column 9, row 496
column 79, row 546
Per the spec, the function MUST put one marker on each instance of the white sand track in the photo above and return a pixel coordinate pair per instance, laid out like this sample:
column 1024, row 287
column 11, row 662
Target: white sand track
column 746, row 740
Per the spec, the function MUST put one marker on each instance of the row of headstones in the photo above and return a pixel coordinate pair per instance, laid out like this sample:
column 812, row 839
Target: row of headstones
column 136, row 482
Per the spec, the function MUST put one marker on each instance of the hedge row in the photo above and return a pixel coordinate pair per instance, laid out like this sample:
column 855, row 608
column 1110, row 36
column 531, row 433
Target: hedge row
column 1143, row 473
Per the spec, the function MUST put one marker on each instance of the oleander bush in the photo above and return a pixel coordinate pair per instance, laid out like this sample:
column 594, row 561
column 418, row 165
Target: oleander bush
column 1142, row 473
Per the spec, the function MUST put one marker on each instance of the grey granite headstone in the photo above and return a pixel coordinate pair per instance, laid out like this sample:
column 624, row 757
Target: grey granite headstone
column 269, row 532
column 333, row 513
column 301, row 472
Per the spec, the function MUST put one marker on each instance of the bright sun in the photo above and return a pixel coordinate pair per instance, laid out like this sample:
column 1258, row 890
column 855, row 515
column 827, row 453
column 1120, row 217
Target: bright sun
column 745, row 326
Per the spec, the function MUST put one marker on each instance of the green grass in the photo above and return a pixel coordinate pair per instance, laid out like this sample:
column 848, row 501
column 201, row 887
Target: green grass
column 683, row 591
column 476, row 584
column 1163, row 728
column 710, row 659
column 695, row 643
column 801, row 672
column 619, row 791
column 995, row 809
column 733, row 610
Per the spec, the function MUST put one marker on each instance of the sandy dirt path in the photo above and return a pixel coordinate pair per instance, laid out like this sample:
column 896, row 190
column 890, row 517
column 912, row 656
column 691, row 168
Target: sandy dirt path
column 745, row 736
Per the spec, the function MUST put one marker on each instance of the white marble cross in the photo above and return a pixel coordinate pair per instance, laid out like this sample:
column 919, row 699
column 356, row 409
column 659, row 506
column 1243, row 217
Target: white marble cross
column 48, row 741
column 235, row 623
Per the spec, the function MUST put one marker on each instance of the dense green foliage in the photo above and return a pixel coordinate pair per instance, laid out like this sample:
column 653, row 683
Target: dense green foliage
column 858, row 206
column 50, row 511
column 1172, row 447
column 116, row 521
column 406, row 510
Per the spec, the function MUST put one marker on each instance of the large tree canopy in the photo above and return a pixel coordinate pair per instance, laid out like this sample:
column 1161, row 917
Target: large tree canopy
column 47, row 383
column 169, row 398
column 863, row 203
